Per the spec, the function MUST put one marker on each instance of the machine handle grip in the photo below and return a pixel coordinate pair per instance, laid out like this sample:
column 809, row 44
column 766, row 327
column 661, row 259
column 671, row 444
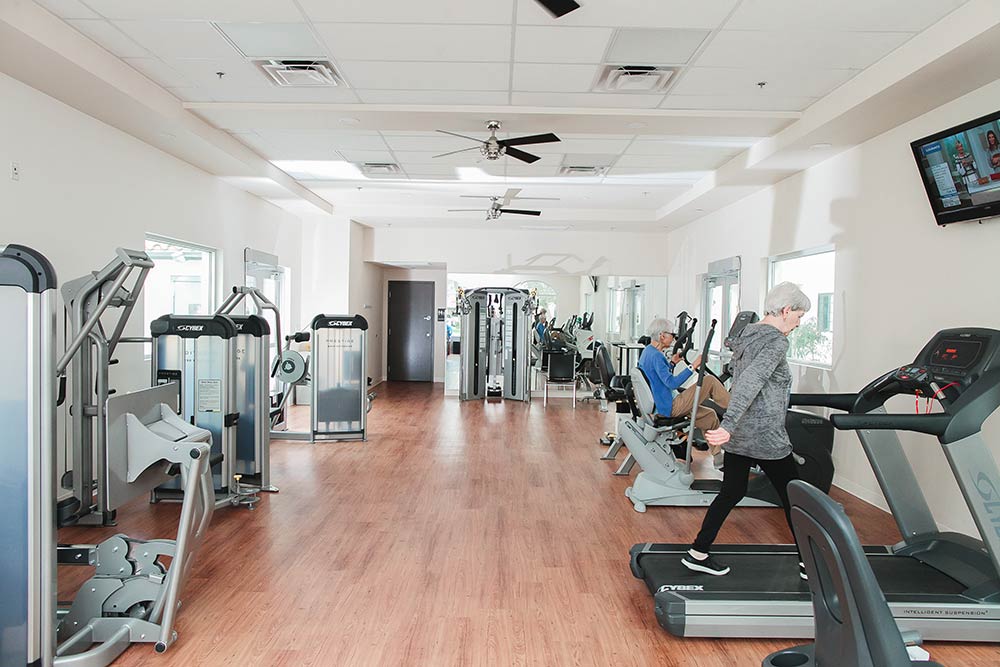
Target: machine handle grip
column 935, row 424
column 836, row 401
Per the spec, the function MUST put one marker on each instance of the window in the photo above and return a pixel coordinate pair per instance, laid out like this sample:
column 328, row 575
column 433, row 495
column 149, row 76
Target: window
column 721, row 302
column 274, row 281
column 813, row 272
column 182, row 282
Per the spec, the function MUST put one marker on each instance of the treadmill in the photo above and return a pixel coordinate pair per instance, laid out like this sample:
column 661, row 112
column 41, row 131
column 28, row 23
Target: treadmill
column 945, row 586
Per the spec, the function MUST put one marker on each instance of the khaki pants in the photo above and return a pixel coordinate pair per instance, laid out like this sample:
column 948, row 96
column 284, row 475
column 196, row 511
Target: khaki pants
column 706, row 419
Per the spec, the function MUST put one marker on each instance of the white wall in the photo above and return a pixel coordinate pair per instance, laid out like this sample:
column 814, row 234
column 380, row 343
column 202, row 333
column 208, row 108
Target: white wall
column 516, row 251
column 365, row 298
column 899, row 278
column 440, row 279
column 86, row 188
column 326, row 266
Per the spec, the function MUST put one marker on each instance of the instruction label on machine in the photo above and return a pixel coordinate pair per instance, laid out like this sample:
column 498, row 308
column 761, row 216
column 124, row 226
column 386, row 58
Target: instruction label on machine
column 209, row 395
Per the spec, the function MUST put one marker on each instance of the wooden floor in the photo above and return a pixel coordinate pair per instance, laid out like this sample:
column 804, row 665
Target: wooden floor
column 459, row 534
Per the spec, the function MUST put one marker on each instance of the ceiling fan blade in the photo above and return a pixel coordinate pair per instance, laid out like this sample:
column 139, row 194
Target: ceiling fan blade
column 519, row 211
column 461, row 150
column 536, row 198
column 547, row 138
column 476, row 196
column 464, row 136
column 510, row 194
column 559, row 8
column 522, row 156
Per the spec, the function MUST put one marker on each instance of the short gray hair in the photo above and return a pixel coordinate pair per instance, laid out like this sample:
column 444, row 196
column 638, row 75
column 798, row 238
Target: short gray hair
column 660, row 326
column 786, row 295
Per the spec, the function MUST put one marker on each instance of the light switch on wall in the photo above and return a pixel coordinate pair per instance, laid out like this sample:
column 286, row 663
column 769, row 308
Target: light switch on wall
column 15, row 171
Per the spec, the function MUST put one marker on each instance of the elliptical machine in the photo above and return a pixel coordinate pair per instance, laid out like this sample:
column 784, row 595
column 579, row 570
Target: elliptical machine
column 663, row 447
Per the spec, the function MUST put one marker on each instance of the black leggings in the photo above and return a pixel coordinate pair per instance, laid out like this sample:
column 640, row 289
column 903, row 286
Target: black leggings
column 735, row 475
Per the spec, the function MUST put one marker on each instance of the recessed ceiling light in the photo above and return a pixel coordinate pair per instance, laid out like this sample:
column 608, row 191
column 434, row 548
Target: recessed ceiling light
column 349, row 121
column 821, row 146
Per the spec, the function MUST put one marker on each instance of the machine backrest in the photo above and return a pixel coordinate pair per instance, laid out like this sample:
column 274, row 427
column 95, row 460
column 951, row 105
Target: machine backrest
column 853, row 623
column 643, row 394
column 605, row 365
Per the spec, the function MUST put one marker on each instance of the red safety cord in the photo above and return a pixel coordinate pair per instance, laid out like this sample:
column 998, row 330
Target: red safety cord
column 936, row 393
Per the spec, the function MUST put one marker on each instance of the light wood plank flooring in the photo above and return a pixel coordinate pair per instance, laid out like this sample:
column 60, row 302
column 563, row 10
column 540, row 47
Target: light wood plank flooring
column 459, row 534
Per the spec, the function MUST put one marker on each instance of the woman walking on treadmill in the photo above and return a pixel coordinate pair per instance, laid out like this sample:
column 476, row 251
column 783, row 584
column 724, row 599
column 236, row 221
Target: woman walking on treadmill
column 753, row 430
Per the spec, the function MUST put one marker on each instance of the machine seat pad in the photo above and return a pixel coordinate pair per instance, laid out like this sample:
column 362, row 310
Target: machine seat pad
column 660, row 421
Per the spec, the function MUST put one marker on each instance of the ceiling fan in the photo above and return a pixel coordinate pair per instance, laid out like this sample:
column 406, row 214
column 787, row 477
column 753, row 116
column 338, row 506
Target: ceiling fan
column 498, row 204
column 493, row 148
column 559, row 8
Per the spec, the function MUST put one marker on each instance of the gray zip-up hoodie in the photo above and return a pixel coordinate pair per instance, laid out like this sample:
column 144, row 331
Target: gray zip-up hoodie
column 759, row 397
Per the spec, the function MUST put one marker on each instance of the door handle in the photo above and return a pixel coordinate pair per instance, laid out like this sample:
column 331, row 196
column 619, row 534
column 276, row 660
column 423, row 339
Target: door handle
column 427, row 317
column 428, row 335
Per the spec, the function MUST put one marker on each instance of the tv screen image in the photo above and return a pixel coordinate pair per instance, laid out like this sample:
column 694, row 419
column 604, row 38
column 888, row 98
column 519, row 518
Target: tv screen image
column 961, row 170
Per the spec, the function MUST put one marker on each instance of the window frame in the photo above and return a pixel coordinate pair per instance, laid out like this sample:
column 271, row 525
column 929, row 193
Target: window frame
column 772, row 261
column 214, row 262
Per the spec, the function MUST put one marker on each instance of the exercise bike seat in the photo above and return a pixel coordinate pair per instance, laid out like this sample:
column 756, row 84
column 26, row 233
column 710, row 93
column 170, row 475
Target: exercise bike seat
column 662, row 421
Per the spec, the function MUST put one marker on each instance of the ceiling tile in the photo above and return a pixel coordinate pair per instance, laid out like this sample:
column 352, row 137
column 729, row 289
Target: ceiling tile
column 69, row 9
column 826, row 50
column 367, row 156
column 590, row 100
column 428, row 170
column 262, row 94
column 434, row 97
column 667, row 162
column 495, row 12
column 427, row 76
column 644, row 46
column 803, row 82
column 204, row 73
column 273, row 40
column 110, row 38
column 752, row 101
column 304, row 145
column 159, row 72
column 566, row 145
column 554, row 78
column 633, row 13
column 215, row 10
column 544, row 44
column 436, row 43
column 178, row 39
column 431, row 142
column 427, row 157
column 901, row 15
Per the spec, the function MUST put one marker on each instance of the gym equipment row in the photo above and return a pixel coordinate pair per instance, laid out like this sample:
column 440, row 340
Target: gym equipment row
column 133, row 595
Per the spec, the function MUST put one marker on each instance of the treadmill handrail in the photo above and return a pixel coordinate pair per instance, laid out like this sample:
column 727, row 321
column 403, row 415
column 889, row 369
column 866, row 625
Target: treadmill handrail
column 843, row 402
column 934, row 424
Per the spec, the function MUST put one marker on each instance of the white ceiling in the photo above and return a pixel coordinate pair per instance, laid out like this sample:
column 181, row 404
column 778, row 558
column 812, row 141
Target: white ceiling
column 411, row 67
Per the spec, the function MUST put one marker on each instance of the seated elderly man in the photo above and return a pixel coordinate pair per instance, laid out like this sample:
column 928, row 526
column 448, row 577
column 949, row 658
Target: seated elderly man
column 659, row 372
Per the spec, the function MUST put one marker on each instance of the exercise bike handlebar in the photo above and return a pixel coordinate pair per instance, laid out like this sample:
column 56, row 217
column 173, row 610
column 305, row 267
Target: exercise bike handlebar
column 836, row 401
column 702, row 367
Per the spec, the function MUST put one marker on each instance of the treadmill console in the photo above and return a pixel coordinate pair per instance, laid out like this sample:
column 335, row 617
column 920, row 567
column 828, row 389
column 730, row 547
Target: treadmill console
column 960, row 355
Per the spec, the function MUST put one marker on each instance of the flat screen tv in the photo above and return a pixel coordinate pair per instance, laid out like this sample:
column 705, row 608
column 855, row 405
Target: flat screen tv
column 961, row 170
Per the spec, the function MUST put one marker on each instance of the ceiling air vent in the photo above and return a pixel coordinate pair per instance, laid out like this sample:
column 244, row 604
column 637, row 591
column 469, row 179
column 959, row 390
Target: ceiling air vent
column 380, row 168
column 581, row 170
column 296, row 73
column 634, row 78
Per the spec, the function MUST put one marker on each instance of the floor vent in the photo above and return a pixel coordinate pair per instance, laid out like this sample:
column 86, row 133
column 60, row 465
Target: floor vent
column 634, row 78
column 300, row 73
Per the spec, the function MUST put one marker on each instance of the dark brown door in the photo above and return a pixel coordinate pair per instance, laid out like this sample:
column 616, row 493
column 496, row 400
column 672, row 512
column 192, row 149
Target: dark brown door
column 410, row 343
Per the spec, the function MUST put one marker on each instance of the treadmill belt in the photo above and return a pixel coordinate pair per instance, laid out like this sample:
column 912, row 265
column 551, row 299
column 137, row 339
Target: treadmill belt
column 779, row 573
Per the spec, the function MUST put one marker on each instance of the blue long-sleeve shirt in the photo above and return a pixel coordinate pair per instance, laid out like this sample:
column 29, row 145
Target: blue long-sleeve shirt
column 662, row 380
